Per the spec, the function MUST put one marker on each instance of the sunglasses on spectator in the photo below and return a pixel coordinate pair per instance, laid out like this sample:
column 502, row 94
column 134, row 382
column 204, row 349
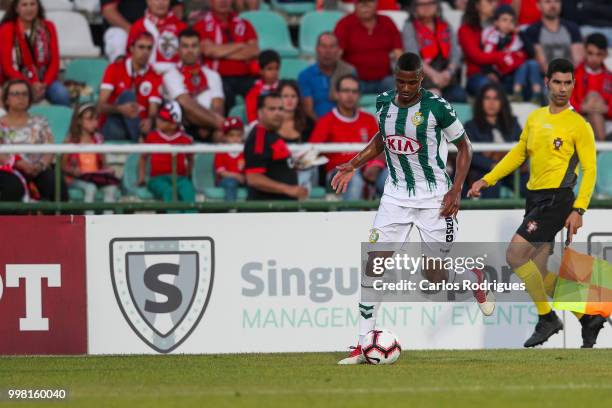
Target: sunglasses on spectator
column 16, row 94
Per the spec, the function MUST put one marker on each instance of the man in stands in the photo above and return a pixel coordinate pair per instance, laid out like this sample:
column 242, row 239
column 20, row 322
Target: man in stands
column 119, row 15
column 368, row 40
column 268, row 163
column 592, row 94
column 197, row 88
column 229, row 45
column 554, row 37
column 165, row 27
column 130, row 93
column 345, row 124
column 318, row 81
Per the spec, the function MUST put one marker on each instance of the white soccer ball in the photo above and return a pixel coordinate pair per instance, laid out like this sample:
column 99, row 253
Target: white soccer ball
column 381, row 346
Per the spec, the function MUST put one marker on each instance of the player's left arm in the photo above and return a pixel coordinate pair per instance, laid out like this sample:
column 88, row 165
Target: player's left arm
column 450, row 203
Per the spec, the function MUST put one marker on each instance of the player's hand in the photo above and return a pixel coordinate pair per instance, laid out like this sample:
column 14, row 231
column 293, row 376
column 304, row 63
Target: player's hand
column 476, row 187
column 342, row 178
column 573, row 223
column 450, row 203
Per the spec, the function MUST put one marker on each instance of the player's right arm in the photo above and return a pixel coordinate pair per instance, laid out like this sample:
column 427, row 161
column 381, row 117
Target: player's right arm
column 511, row 161
column 346, row 171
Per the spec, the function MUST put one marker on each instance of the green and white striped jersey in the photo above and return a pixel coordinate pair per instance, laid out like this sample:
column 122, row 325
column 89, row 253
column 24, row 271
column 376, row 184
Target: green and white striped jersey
column 415, row 148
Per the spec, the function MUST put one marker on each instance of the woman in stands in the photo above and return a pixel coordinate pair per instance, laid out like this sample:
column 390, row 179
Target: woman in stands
column 18, row 126
column 88, row 171
column 493, row 122
column 30, row 51
column 426, row 33
column 478, row 13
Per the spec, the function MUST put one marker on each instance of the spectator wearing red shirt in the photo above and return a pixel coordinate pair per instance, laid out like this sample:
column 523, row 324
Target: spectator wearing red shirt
column 426, row 33
column 119, row 15
column 368, row 40
column 30, row 51
column 592, row 95
column 269, row 65
column 130, row 93
column 526, row 10
column 478, row 61
column 229, row 45
column 165, row 27
column 197, row 89
column 229, row 167
column 160, row 181
column 345, row 124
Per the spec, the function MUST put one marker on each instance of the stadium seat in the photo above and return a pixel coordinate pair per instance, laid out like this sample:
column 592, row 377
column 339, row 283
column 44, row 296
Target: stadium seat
column 399, row 17
column 293, row 7
column 87, row 70
column 608, row 60
column 88, row 6
column 240, row 111
column 272, row 32
column 291, row 67
column 57, row 5
column 522, row 110
column 453, row 18
column 370, row 109
column 367, row 100
column 59, row 119
column 2, row 12
column 130, row 179
column 203, row 177
column 464, row 111
column 75, row 38
column 603, row 185
column 312, row 25
column 317, row 193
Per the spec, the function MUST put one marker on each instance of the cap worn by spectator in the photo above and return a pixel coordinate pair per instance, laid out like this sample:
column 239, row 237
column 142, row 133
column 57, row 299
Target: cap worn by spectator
column 232, row 123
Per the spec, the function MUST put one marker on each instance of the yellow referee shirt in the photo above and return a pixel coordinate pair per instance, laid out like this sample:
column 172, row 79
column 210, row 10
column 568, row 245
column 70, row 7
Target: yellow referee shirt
column 554, row 144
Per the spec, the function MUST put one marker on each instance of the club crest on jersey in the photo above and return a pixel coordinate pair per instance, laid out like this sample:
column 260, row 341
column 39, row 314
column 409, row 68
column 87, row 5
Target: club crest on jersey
column 402, row 145
column 417, row 119
column 557, row 143
column 145, row 88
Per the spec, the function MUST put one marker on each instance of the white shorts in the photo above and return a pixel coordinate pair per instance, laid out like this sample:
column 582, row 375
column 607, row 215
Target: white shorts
column 394, row 223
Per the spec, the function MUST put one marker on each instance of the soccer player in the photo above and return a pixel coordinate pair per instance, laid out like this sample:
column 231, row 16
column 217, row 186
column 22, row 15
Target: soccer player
column 554, row 140
column 415, row 126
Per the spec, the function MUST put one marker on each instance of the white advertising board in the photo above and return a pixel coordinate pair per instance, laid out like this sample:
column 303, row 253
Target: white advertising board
column 272, row 282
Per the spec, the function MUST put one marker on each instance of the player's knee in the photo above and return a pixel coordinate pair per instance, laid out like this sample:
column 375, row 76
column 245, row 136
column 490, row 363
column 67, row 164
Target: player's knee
column 516, row 256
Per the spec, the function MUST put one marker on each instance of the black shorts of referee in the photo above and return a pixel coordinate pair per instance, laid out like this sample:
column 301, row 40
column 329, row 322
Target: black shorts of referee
column 545, row 213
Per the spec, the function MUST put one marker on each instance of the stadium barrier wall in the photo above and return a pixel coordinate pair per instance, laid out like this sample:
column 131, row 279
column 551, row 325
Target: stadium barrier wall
column 42, row 285
column 276, row 283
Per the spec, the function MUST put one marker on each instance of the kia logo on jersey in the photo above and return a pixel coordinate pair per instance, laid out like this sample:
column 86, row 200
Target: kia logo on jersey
column 402, row 145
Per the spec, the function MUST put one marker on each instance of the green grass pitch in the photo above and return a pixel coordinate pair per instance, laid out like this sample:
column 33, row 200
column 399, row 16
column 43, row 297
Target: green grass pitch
column 490, row 378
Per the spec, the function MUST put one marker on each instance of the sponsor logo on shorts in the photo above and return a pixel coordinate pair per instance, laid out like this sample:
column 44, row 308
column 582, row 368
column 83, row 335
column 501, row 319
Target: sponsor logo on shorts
column 374, row 236
column 450, row 229
column 532, row 226
column 402, row 145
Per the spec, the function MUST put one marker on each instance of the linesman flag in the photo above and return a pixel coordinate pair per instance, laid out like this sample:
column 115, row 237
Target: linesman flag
column 584, row 284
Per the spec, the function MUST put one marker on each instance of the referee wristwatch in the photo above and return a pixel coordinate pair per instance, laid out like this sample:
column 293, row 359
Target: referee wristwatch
column 580, row 211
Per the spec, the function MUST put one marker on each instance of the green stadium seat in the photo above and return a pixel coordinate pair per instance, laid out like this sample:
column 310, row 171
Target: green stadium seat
column 291, row 67
column 203, row 177
column 604, row 174
column 367, row 100
column 59, row 118
column 87, row 70
column 312, row 25
column 240, row 111
column 272, row 32
column 130, row 179
column 293, row 8
column 464, row 111
column 317, row 193
column 370, row 109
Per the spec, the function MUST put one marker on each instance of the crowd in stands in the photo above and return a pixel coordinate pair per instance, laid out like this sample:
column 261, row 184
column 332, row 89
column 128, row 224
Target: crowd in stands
column 182, row 72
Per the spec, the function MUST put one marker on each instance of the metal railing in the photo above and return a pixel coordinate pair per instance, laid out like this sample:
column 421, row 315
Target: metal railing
column 212, row 206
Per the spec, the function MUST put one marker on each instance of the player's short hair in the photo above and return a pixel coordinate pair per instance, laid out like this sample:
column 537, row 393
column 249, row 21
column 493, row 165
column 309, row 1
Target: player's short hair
column 598, row 40
column 562, row 65
column 267, row 57
column 343, row 78
column 264, row 96
column 409, row 61
column 188, row 33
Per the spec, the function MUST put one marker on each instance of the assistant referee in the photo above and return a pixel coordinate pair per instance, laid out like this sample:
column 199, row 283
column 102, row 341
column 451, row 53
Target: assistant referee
column 555, row 139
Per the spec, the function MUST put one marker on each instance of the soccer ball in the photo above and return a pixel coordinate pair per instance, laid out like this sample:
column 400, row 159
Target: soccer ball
column 381, row 347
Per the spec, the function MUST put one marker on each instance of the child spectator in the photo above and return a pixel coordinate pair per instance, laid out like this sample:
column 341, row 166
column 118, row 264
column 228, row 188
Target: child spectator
column 160, row 182
column 515, row 69
column 88, row 171
column 269, row 64
column 592, row 95
column 229, row 167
